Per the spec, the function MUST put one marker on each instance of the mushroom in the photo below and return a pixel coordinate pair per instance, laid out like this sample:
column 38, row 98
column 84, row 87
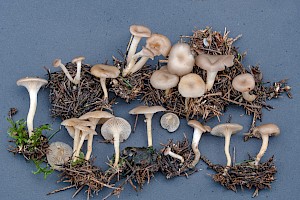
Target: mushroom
column 94, row 117
column 226, row 130
column 58, row 63
column 181, row 60
column 264, row 132
column 33, row 86
column 170, row 121
column 213, row 64
column 85, row 132
column 78, row 60
column 244, row 83
column 137, row 32
column 148, row 112
column 168, row 151
column 191, row 86
column 198, row 130
column 70, row 125
column 159, row 44
column 103, row 72
column 132, row 66
column 116, row 130
column 163, row 80
column 58, row 154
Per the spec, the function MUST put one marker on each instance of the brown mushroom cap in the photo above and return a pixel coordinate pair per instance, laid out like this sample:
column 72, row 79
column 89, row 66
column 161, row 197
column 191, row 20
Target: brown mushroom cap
column 146, row 110
column 116, row 125
column 214, row 62
column 181, row 60
column 101, row 115
column 170, row 121
column 56, row 62
column 221, row 129
column 159, row 44
column 105, row 71
column 140, row 31
column 191, row 85
column 58, row 154
column 266, row 129
column 78, row 58
column 196, row 124
column 163, row 80
column 243, row 83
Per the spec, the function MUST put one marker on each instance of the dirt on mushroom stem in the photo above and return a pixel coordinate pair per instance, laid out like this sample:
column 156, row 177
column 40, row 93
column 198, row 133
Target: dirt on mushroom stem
column 244, row 175
column 69, row 100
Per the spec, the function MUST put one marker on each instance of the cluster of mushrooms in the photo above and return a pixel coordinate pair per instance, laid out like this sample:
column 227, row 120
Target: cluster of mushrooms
column 177, row 73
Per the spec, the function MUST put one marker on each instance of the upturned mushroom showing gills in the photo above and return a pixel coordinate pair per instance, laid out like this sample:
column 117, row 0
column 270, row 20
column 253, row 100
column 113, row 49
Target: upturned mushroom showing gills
column 181, row 60
column 170, row 121
column 244, row 83
column 58, row 154
column 163, row 80
column 198, row 130
column 137, row 32
column 148, row 112
column 58, row 63
column 191, row 86
column 226, row 130
column 33, row 86
column 78, row 60
column 264, row 132
column 213, row 64
column 116, row 130
column 103, row 72
column 94, row 117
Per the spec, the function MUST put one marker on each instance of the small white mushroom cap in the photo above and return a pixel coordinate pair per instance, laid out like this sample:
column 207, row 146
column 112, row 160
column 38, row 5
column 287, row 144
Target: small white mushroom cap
column 116, row 125
column 163, row 80
column 244, row 83
column 170, row 121
column 58, row 154
column 191, row 86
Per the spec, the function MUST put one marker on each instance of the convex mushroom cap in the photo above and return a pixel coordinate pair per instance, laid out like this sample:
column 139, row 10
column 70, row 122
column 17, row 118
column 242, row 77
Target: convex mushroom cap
column 158, row 44
column 181, row 60
column 163, row 80
column 58, row 154
column 170, row 121
column 244, row 83
column 213, row 64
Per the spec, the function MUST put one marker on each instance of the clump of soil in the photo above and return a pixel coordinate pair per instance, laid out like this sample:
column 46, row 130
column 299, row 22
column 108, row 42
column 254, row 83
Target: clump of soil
column 69, row 100
column 245, row 175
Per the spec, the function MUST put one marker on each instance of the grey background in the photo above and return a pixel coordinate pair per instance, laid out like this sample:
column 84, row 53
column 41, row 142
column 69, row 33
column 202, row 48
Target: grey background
column 33, row 33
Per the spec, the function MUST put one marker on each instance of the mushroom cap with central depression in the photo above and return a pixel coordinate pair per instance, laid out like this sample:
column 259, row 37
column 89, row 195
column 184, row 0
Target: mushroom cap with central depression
column 243, row 83
column 105, row 71
column 191, row 86
column 163, row 80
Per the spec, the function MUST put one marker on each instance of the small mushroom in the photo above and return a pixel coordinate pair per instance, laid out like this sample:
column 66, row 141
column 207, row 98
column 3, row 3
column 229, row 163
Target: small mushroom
column 213, row 64
column 226, row 130
column 191, row 86
column 163, row 80
column 116, row 130
column 132, row 66
column 58, row 154
column 264, row 132
column 103, row 72
column 33, row 86
column 170, row 121
column 244, row 83
column 138, row 32
column 159, row 44
column 148, row 112
column 198, row 130
column 168, row 151
column 78, row 60
column 85, row 132
column 94, row 117
column 58, row 63
column 181, row 60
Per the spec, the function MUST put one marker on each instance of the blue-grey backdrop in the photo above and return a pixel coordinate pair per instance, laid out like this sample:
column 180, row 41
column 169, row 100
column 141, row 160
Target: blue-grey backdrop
column 33, row 33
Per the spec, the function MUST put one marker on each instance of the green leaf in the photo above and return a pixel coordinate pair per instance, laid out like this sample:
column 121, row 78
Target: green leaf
column 42, row 170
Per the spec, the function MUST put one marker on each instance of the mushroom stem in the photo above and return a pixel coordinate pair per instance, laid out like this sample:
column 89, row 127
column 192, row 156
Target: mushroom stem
column 249, row 97
column 264, row 146
column 31, row 112
column 76, row 141
column 78, row 72
column 90, row 144
column 227, row 153
column 133, row 46
column 131, row 63
column 186, row 103
column 139, row 64
column 167, row 92
column 195, row 143
column 210, row 79
column 149, row 128
column 103, row 86
column 62, row 66
column 77, row 152
column 117, row 149
column 174, row 155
